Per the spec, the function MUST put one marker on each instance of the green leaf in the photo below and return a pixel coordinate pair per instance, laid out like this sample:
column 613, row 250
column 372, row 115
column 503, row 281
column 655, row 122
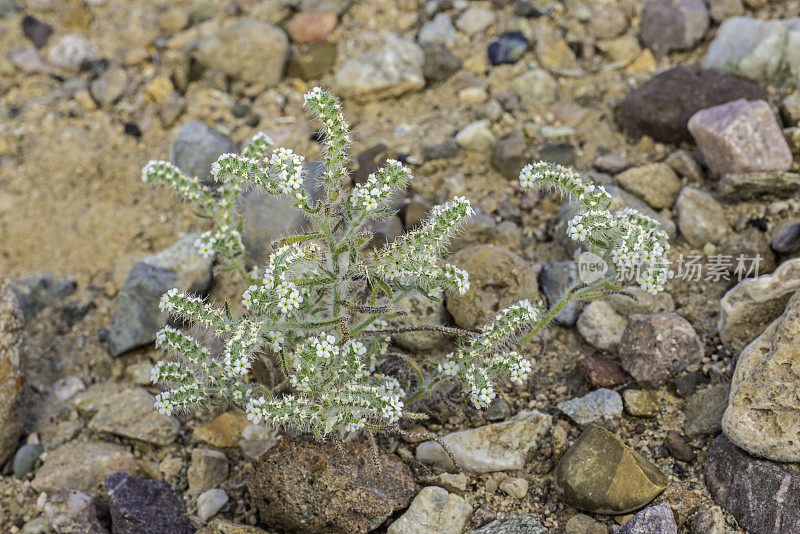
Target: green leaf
column 202, row 215
column 296, row 239
column 384, row 287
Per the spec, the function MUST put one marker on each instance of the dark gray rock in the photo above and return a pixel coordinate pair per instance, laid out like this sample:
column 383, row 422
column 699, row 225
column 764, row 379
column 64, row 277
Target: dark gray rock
column 557, row 278
column 197, row 147
column 662, row 106
column 145, row 506
column 25, row 459
column 751, row 185
column 518, row 524
column 786, row 237
column 704, row 410
column 440, row 62
column 673, row 25
column 8, row 7
column 762, row 496
column 37, row 31
column 507, row 48
column 443, row 150
column 42, row 291
column 509, row 156
column 654, row 520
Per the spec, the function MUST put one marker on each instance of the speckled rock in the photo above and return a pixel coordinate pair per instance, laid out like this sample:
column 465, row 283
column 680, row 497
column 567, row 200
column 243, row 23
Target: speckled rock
column 704, row 410
column 518, row 524
column 763, row 415
column 145, row 506
column 657, row 519
column 70, row 510
column 640, row 403
column 420, row 310
column 130, row 413
column 82, row 466
column 601, row 326
column 748, row 307
column 596, row 407
column 498, row 278
column 701, row 218
column 656, row 183
column 600, row 372
column 312, row 488
column 68, row 52
column 434, row 510
column 13, row 364
column 600, row 474
column 750, row 185
column 209, row 469
column 656, row 347
column 496, row 447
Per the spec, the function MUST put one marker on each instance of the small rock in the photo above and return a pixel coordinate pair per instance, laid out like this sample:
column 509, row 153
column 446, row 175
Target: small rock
column 763, row 414
column 380, row 66
column 444, row 150
column 536, row 87
column 599, row 372
column 433, row 510
column 37, row 31
column 110, row 86
column 747, row 186
column 685, row 165
column 711, row 521
column 496, row 447
column 678, row 447
column 612, row 164
column 507, row 48
column 42, row 291
column 223, row 431
column 82, row 466
column 420, row 310
column 514, row 487
column 140, row 505
column 656, row 183
column 509, row 156
column 439, row 30
column 556, row 56
column 518, row 524
column 640, row 403
column 248, row 50
column 70, row 510
column 25, row 459
column 673, row 25
column 790, row 109
column 704, row 410
column 752, row 304
column 608, row 22
column 314, row 488
column 477, row 136
column 475, row 19
column 654, row 520
column 602, row 327
column 70, row 51
column 209, row 469
column 557, row 279
column 173, row 20
column 597, row 407
column 498, row 278
column 197, row 147
column 211, row 502
column 223, row 526
column 130, row 413
column 583, row 524
column 662, row 106
column 312, row 62
column 28, row 60
column 440, row 62
column 724, row 9
column 644, row 302
column 656, row 347
column 786, row 237
column 740, row 136
column 13, row 363
column 312, row 27
column 8, row 7
column 687, row 383
column 701, row 218
column 600, row 474
column 762, row 496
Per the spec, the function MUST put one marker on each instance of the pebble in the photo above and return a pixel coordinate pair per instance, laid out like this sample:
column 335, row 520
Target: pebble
column 662, row 106
column 685, row 165
column 509, row 47
column 557, row 279
column 444, row 150
column 475, row 19
column 583, row 524
column 36, row 31
column 556, row 56
column 740, row 136
column 498, row 278
column 607, row 22
column 518, row 524
column 110, row 86
column 312, row 62
column 380, row 66
column 248, row 50
column 752, row 304
column 197, row 147
column 657, row 519
column 25, row 459
column 644, row 302
column 495, row 447
column 314, row 487
column 656, row 347
column 69, row 510
column 640, row 403
column 678, row 447
column 763, row 414
column 440, row 62
column 439, row 30
column 600, row 474
column 420, row 310
column 597, row 407
column 612, row 164
column 13, row 363
column 701, row 218
column 721, row 10
column 656, row 183
column 536, row 87
column 209, row 469
column 600, row 372
column 312, row 28
column 433, row 511
column 748, row 186
column 786, row 237
column 41, row 291
column 711, row 521
column 82, row 466
column 762, row 496
column 173, row 20
column 70, row 51
column 477, row 136
column 514, row 487
column 28, row 60
column 790, row 109
column 223, row 431
column 602, row 327
column 704, row 410
column 137, row 504
column 673, row 25
column 211, row 502
column 8, row 8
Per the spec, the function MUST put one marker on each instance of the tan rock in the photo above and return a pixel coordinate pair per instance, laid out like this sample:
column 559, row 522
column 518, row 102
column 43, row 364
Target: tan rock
column 13, row 363
column 224, row 431
column 656, row 183
column 83, row 466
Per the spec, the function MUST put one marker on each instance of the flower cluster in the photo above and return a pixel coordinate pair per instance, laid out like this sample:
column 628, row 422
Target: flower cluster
column 323, row 106
column 373, row 194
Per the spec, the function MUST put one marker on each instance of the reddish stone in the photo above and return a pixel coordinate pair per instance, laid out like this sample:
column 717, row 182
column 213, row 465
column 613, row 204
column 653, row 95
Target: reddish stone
column 312, row 27
column 601, row 373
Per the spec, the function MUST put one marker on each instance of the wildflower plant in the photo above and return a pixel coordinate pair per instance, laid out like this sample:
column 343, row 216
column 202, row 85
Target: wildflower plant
column 322, row 302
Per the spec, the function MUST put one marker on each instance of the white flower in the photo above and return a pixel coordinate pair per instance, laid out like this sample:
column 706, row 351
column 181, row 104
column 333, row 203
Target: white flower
column 355, row 426
column 164, row 404
column 484, row 397
column 450, row 368
column 165, row 304
column 247, row 297
column 463, row 287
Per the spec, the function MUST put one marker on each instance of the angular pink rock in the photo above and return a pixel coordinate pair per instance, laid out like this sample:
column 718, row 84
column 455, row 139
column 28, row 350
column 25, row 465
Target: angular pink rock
column 740, row 136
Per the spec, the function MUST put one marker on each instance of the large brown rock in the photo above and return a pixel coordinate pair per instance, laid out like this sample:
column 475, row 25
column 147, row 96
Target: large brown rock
column 662, row 106
column 83, row 466
column 313, row 488
column 13, row 362
column 498, row 278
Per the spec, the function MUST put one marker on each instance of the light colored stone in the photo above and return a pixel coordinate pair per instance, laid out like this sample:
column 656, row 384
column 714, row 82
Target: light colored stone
column 439, row 30
column 475, row 19
column 601, row 326
column 596, row 407
column 763, row 415
column 496, row 447
column 13, row 362
column 752, row 304
column 536, row 87
column 515, row 487
column 673, row 25
column 477, row 136
column 701, row 218
column 209, row 469
column 656, row 183
column 130, row 413
column 748, row 48
column 211, row 502
column 70, row 51
column 82, row 466
column 433, row 511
